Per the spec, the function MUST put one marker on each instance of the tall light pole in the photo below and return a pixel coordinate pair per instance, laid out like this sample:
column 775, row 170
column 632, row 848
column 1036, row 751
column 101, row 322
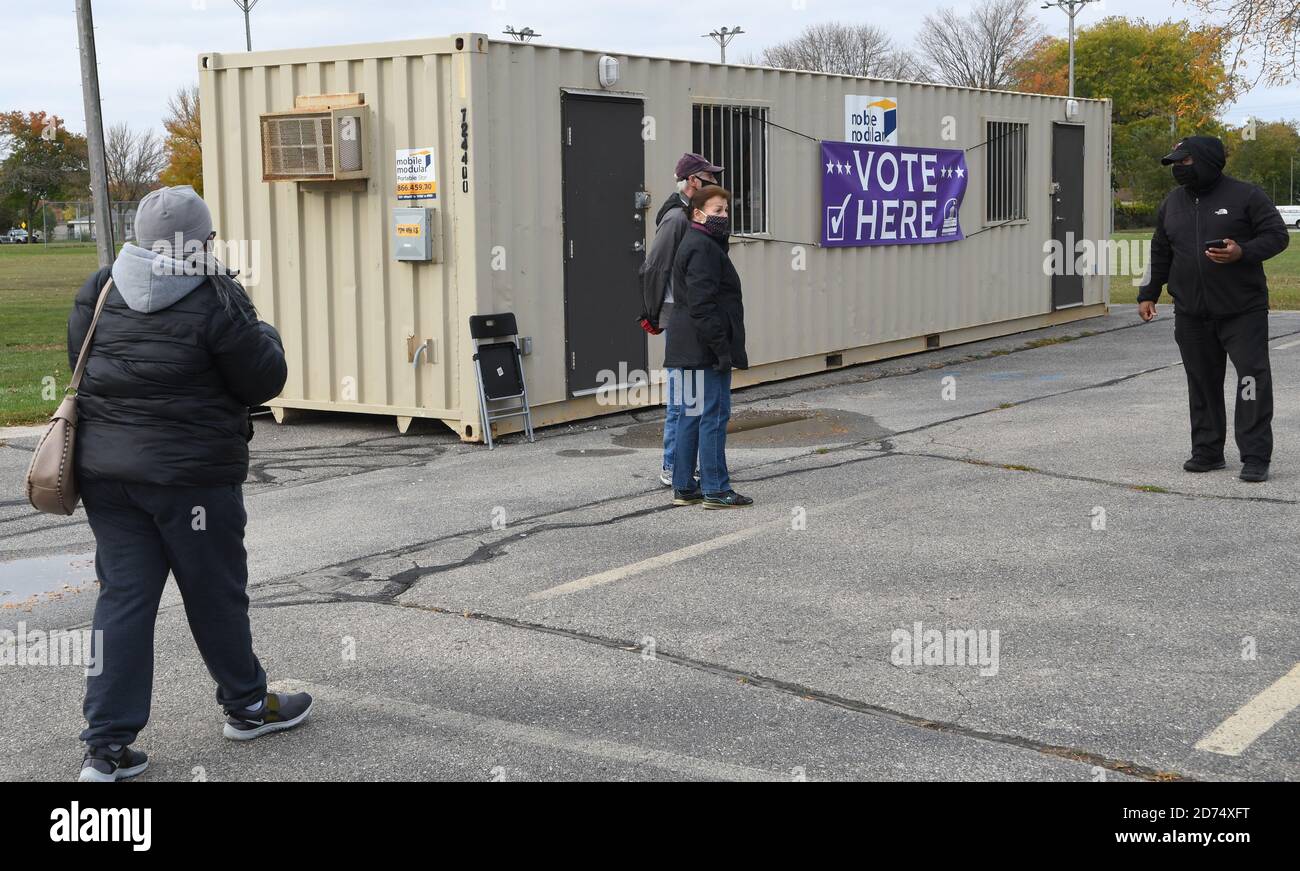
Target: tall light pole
column 1070, row 8
column 722, row 37
column 247, row 6
column 94, row 133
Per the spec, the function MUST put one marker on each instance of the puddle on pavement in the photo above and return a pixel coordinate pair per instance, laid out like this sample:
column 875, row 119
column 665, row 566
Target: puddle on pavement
column 775, row 428
column 27, row 582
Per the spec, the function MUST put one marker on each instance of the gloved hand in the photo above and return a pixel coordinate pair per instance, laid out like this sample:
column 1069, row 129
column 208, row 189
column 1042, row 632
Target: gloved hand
column 649, row 327
column 723, row 364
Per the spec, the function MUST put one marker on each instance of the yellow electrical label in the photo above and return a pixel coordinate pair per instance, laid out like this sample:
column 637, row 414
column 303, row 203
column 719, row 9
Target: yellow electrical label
column 408, row 229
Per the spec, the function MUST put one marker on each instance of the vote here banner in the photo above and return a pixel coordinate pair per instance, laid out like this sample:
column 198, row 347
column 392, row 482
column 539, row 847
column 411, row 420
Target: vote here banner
column 890, row 194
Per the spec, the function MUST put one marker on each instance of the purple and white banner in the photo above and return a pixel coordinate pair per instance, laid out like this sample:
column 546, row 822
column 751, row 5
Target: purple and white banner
column 890, row 194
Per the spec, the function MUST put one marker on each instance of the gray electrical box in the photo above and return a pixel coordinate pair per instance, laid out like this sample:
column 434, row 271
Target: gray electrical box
column 415, row 234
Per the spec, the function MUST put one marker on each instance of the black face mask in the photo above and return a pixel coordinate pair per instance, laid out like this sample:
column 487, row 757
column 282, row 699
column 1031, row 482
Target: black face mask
column 1185, row 174
column 719, row 226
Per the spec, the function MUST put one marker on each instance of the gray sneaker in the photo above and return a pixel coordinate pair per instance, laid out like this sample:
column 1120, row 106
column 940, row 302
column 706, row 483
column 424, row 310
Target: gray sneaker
column 105, row 765
column 279, row 711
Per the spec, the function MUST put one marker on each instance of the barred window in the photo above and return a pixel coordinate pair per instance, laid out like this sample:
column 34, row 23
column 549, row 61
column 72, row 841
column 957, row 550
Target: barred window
column 735, row 137
column 1006, row 156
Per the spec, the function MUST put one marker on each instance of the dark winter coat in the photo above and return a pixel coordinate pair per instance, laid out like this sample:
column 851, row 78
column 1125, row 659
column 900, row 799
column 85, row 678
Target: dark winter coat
column 657, row 270
column 707, row 327
column 171, row 376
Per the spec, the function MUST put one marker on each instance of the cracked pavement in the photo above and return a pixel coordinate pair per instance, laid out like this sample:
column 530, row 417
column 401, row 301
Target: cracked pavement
column 541, row 612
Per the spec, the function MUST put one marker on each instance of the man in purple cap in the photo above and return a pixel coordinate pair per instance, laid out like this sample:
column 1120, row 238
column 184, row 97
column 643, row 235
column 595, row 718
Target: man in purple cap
column 1213, row 234
column 693, row 172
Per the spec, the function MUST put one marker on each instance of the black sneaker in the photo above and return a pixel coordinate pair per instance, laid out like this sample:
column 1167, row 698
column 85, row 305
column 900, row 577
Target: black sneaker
column 1254, row 473
column 688, row 497
column 279, row 711
column 105, row 765
column 1202, row 464
column 730, row 499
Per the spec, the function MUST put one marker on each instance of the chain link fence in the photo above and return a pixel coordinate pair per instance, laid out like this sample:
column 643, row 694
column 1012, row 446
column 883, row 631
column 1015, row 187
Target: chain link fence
column 72, row 222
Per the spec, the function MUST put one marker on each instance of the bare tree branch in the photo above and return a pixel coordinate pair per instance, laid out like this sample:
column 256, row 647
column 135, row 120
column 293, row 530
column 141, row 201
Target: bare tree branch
column 981, row 49
column 846, row 49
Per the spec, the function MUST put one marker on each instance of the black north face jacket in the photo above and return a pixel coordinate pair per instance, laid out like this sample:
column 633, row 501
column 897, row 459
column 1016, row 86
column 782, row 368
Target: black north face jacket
column 1224, row 208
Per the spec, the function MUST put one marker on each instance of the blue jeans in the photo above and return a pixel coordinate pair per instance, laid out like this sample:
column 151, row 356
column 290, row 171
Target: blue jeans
column 672, row 412
column 702, row 428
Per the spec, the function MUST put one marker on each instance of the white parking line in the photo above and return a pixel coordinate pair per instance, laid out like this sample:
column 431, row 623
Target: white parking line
column 685, row 553
column 1287, row 345
column 1255, row 718
column 496, row 731
column 658, row 562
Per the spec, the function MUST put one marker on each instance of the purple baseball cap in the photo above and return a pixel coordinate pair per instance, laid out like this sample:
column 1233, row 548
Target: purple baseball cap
column 691, row 163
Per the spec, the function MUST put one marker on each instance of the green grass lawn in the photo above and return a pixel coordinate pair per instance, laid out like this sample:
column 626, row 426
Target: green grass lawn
column 37, row 284
column 1283, row 275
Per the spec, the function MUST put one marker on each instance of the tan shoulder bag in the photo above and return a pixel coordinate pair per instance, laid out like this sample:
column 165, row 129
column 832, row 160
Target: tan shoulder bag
column 51, row 478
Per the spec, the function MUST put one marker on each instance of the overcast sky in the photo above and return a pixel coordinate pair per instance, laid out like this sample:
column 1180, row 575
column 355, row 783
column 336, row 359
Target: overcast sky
column 147, row 48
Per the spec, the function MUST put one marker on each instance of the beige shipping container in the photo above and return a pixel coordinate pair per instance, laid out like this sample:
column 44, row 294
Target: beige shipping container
column 540, row 156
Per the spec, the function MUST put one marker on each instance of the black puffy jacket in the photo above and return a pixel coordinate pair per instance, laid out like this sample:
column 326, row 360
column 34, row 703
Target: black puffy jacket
column 166, row 392
column 1225, row 209
column 707, row 326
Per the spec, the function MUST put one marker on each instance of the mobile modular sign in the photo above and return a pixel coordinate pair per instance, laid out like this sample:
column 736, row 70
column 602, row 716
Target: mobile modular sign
column 416, row 174
column 890, row 195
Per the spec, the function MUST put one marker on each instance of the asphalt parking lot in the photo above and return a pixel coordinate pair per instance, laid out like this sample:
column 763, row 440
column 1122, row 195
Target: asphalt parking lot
column 541, row 611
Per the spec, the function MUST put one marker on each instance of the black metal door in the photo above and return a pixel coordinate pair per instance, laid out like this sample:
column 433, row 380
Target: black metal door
column 1067, row 211
column 604, row 239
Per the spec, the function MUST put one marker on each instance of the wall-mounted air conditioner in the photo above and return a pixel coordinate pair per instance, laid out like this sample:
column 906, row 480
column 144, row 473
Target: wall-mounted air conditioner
column 323, row 138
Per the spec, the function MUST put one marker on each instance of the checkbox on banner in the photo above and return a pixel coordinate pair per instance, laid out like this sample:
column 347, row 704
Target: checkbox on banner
column 835, row 220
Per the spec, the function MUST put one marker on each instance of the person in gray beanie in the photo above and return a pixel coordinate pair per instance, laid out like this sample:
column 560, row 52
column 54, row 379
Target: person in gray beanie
column 176, row 361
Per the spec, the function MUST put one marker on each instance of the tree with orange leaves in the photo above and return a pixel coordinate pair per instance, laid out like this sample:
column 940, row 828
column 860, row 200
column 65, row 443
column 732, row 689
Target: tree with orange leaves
column 184, row 140
column 41, row 160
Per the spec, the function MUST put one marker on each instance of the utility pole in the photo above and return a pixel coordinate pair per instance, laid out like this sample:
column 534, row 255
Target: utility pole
column 94, row 133
column 723, row 37
column 247, row 6
column 1070, row 8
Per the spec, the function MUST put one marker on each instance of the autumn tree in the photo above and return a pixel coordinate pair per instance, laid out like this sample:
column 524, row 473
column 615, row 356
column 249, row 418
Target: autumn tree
column 42, row 160
column 184, row 143
column 1266, row 158
column 1164, row 81
column 1261, row 32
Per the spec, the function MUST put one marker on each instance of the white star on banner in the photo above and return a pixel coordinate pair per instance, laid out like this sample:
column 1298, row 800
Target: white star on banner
column 961, row 173
column 830, row 167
